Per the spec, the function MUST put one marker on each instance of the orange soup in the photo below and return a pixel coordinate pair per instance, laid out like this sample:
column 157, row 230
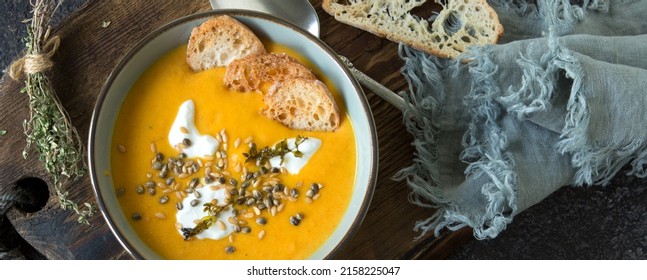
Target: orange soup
column 263, row 211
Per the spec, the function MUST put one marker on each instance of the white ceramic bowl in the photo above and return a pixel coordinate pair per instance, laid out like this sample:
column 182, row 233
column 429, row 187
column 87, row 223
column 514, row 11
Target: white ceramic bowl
column 173, row 35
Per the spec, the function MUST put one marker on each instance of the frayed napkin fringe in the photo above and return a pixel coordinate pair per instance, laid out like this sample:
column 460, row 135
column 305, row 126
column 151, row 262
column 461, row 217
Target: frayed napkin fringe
column 597, row 163
column 485, row 148
column 557, row 14
column 539, row 80
column 484, row 143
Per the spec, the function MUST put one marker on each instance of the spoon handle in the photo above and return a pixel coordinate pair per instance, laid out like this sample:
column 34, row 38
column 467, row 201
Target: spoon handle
column 377, row 88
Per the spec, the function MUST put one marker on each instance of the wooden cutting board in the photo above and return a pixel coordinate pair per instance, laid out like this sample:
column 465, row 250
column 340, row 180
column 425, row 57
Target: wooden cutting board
column 88, row 53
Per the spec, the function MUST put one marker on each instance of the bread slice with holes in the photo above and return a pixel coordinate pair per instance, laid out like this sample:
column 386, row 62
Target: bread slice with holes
column 249, row 73
column 460, row 24
column 303, row 104
column 219, row 41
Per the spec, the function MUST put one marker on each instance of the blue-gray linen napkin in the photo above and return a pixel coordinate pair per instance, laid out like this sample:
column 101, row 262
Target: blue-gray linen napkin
column 560, row 100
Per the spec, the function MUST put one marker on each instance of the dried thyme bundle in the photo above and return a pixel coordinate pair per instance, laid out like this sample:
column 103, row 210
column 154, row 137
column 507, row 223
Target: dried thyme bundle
column 48, row 128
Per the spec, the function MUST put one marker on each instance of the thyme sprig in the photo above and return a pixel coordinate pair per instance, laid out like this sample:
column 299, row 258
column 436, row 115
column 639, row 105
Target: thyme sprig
column 212, row 211
column 48, row 129
column 280, row 149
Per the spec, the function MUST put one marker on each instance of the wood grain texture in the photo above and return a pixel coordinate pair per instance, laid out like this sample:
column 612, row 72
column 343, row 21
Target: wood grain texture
column 88, row 54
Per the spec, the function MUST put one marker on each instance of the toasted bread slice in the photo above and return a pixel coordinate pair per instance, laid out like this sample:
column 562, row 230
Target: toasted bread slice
column 303, row 104
column 219, row 41
column 247, row 74
column 459, row 25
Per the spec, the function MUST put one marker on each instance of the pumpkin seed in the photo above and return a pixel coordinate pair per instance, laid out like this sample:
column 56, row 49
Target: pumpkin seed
column 257, row 195
column 268, row 202
column 194, row 182
column 294, row 221
column 315, row 188
column 121, row 191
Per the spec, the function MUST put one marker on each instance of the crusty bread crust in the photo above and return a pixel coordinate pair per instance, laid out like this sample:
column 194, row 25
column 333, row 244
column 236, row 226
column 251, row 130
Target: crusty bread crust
column 247, row 74
column 296, row 97
column 220, row 40
column 459, row 25
column 304, row 104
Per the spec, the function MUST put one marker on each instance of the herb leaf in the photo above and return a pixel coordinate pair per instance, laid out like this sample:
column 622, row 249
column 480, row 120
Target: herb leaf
column 3, row 132
column 49, row 130
column 204, row 224
column 280, row 149
column 207, row 221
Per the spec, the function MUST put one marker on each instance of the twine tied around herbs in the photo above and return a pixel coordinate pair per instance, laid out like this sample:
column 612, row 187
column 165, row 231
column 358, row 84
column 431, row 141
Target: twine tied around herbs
column 49, row 129
column 35, row 63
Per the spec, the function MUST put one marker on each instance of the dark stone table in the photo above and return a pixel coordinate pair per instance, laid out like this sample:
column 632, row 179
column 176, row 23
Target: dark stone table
column 573, row 223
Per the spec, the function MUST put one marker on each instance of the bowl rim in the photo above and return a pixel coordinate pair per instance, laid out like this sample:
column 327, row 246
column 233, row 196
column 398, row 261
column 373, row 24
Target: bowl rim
column 134, row 50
